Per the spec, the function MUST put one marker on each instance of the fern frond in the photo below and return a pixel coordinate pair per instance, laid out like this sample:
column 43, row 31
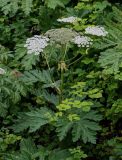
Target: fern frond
column 54, row 3
column 26, row 6
column 111, row 60
column 12, row 6
column 8, row 6
column 111, row 57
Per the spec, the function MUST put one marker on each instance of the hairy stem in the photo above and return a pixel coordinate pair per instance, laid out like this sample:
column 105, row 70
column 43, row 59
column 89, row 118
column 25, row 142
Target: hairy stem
column 52, row 81
column 64, row 51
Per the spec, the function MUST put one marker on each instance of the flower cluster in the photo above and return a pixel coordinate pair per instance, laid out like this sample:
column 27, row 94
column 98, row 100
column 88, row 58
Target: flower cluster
column 36, row 44
column 2, row 71
column 68, row 19
column 61, row 35
column 96, row 30
column 83, row 41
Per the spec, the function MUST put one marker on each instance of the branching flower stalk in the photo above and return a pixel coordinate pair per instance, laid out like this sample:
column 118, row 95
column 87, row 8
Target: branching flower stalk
column 62, row 68
column 75, row 61
column 63, row 37
column 86, row 51
column 52, row 81
column 35, row 45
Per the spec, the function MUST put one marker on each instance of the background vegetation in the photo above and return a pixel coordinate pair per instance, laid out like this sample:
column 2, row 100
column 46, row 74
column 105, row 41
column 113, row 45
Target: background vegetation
column 56, row 107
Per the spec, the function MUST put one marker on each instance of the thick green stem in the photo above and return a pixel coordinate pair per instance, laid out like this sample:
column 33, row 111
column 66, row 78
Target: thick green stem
column 62, row 81
column 64, row 51
column 52, row 81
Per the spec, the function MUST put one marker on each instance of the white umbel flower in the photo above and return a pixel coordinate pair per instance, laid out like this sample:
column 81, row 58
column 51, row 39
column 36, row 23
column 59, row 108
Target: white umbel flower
column 2, row 71
column 96, row 30
column 68, row 19
column 36, row 44
column 83, row 41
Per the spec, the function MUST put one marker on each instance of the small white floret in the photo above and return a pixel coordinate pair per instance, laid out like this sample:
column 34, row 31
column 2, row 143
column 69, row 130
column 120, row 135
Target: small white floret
column 83, row 41
column 96, row 30
column 36, row 44
column 68, row 19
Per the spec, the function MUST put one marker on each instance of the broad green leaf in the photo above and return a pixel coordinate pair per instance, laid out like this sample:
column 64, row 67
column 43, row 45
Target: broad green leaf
column 86, row 128
column 32, row 120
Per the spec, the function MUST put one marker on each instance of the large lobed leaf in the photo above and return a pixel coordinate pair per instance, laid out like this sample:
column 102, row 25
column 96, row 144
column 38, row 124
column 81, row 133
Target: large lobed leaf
column 86, row 128
column 32, row 120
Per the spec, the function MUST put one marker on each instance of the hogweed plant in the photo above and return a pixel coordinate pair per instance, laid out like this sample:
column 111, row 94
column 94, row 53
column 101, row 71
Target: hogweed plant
column 73, row 112
column 60, row 78
column 63, row 38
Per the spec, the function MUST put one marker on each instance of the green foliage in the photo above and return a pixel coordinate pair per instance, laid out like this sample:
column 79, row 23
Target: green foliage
column 28, row 151
column 85, row 128
column 115, row 110
column 110, row 59
column 66, row 102
column 32, row 120
column 26, row 6
column 76, row 115
column 13, row 6
column 54, row 3
column 116, row 145
column 9, row 6
column 77, row 154
column 7, row 139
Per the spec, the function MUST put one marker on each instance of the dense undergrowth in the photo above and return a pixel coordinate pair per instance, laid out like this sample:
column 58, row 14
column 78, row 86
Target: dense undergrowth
column 62, row 101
